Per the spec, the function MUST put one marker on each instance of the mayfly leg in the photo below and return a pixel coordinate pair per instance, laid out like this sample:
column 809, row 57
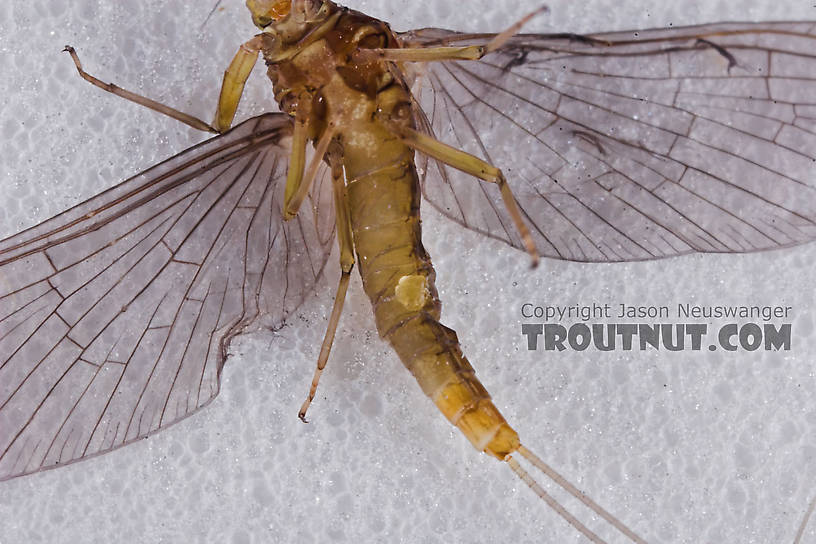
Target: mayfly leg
column 298, row 183
column 451, row 156
column 344, row 241
column 475, row 166
column 297, row 159
column 189, row 120
column 468, row 52
column 235, row 77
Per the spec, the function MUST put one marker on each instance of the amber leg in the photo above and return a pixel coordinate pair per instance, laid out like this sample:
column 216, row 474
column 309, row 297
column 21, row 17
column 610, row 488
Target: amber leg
column 344, row 240
column 297, row 159
column 233, row 85
column 298, row 183
column 475, row 166
column 471, row 52
column 137, row 98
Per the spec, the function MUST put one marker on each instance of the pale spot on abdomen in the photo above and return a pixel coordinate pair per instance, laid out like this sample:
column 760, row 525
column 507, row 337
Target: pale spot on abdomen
column 412, row 291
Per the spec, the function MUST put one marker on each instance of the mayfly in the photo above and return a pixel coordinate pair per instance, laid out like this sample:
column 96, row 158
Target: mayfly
column 585, row 141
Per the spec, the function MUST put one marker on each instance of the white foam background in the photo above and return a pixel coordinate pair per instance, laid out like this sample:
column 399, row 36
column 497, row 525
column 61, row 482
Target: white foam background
column 686, row 447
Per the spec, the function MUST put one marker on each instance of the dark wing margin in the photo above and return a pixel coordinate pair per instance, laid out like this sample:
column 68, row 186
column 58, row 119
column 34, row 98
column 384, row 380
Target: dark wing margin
column 116, row 315
column 632, row 145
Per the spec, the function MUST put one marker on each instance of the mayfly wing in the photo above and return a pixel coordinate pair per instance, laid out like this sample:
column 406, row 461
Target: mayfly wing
column 116, row 315
column 632, row 145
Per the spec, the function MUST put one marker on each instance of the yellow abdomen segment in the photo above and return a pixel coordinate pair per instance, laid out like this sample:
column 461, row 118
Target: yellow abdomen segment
column 431, row 352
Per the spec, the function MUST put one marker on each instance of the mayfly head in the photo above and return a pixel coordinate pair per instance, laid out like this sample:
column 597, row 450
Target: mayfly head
column 266, row 12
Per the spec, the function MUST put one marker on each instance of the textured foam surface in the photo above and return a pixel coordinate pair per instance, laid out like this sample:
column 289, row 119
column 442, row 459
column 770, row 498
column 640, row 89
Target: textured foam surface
column 684, row 447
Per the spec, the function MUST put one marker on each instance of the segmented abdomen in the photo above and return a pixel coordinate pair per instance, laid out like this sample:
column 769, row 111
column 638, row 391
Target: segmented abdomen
column 399, row 280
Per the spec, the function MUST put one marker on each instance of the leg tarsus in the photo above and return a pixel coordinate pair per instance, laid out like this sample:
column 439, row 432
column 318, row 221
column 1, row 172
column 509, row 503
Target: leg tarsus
column 328, row 339
column 346, row 244
column 468, row 52
column 137, row 98
column 501, row 38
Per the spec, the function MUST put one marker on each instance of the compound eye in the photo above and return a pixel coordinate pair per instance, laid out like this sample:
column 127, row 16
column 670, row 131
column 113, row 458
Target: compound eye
column 265, row 12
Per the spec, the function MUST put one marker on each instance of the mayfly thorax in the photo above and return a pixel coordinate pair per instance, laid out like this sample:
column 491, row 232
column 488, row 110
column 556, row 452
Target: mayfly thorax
column 338, row 77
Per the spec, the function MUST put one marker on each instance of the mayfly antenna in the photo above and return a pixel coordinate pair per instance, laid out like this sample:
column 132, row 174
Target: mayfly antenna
column 210, row 14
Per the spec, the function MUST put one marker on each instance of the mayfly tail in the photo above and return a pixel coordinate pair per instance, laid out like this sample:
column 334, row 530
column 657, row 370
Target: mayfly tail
column 560, row 510
column 805, row 520
column 572, row 490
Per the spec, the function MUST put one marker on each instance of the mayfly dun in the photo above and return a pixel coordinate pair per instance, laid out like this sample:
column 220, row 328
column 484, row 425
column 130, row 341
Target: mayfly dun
column 355, row 430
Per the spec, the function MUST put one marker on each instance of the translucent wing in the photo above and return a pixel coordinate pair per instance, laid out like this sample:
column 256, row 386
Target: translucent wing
column 116, row 315
column 633, row 145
